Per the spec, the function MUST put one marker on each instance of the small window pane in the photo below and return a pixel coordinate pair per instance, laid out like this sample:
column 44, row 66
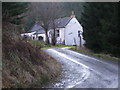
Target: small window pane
column 78, row 33
column 57, row 33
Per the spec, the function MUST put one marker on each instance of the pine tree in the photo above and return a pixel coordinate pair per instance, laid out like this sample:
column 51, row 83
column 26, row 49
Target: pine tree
column 101, row 32
column 77, row 7
column 91, row 25
column 13, row 12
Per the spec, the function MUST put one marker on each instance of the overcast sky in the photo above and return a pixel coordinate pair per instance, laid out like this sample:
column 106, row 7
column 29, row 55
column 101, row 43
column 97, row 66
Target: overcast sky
column 59, row 0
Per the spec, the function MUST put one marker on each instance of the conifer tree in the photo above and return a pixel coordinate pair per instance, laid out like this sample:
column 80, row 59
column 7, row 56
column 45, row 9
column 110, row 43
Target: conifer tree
column 13, row 12
column 101, row 32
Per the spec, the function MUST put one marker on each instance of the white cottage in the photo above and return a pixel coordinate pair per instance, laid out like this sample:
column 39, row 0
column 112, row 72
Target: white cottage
column 68, row 31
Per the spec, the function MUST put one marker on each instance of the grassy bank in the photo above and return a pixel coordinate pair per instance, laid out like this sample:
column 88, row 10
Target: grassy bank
column 86, row 51
column 78, row 49
column 26, row 66
column 44, row 46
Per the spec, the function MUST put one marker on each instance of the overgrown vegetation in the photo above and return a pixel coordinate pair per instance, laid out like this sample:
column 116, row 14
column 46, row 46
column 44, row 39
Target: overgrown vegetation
column 26, row 66
column 23, row 65
column 87, row 51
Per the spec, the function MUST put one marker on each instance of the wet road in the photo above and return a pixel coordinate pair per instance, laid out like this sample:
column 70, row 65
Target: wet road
column 82, row 71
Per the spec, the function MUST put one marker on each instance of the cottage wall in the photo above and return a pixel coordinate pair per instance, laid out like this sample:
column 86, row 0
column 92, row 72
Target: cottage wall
column 71, row 32
column 61, row 38
column 67, row 35
column 42, row 35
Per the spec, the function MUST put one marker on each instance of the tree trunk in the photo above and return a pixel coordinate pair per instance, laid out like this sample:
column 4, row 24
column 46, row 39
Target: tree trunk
column 47, row 38
column 53, row 38
column 54, row 33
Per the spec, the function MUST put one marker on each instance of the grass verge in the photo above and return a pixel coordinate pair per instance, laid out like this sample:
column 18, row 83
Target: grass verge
column 44, row 46
column 86, row 51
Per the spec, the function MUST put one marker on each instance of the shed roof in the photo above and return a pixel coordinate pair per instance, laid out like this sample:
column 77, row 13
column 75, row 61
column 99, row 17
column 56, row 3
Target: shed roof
column 37, row 28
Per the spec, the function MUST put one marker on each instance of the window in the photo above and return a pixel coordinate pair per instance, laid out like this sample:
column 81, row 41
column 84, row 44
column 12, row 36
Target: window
column 78, row 33
column 57, row 33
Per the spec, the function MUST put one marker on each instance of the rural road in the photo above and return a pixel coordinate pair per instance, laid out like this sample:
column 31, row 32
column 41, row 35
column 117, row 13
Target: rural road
column 82, row 71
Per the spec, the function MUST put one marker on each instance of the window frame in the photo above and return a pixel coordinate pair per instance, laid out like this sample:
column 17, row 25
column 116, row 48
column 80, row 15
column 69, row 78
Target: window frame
column 57, row 33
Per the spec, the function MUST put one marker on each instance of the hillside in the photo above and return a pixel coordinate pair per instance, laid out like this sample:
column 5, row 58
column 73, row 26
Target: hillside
column 24, row 65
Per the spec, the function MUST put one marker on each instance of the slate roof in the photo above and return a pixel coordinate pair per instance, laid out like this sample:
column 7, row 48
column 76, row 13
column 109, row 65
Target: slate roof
column 37, row 28
column 60, row 23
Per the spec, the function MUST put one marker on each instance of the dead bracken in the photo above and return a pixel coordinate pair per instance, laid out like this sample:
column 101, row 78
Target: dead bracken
column 25, row 66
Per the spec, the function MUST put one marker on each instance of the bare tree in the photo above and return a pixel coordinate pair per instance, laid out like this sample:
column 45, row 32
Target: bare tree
column 57, row 12
column 46, row 13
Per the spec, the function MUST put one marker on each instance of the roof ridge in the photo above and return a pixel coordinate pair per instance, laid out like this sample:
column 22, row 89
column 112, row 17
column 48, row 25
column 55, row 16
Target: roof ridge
column 69, row 21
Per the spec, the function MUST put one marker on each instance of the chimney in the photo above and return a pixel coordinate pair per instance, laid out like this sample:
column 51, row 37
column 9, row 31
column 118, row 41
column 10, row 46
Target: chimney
column 36, row 21
column 73, row 14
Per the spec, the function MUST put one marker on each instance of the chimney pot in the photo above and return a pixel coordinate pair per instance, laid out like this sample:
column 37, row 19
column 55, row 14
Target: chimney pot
column 73, row 14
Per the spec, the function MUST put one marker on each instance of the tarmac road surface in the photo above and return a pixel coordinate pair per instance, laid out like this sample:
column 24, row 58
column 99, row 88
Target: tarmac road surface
column 82, row 71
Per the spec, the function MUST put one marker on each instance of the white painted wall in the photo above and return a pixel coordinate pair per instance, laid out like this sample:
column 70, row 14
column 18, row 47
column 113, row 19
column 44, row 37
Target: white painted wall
column 71, row 32
column 50, row 36
column 43, row 35
column 68, row 33
column 35, row 37
column 61, row 37
column 28, row 34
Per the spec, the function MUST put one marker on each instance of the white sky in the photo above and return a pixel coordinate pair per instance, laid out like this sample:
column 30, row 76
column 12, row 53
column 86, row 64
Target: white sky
column 59, row 0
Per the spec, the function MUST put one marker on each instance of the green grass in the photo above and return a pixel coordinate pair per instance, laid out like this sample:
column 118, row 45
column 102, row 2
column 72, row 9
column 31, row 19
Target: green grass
column 44, row 46
column 38, row 43
column 81, row 50
column 99, row 55
column 57, row 46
